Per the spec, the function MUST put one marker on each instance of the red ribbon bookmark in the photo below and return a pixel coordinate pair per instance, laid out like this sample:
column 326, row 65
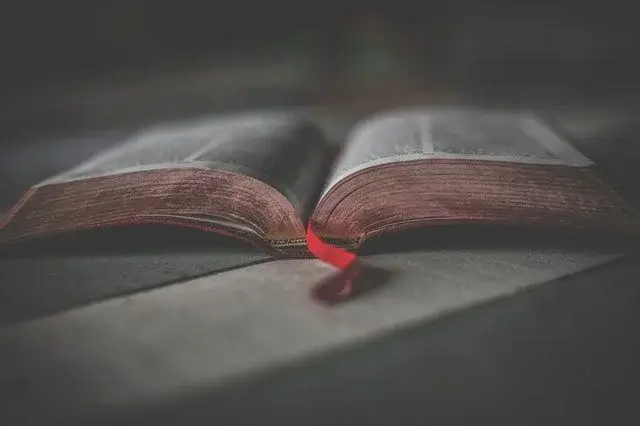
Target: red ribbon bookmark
column 334, row 256
column 339, row 287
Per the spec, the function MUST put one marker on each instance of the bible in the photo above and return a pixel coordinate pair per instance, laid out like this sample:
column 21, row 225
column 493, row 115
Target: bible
column 263, row 177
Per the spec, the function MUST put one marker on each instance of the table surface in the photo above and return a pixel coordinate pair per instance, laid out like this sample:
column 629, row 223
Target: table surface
column 521, row 334
column 485, row 331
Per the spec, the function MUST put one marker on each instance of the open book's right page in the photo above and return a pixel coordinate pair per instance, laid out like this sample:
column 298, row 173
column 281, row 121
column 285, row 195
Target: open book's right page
column 453, row 133
column 419, row 167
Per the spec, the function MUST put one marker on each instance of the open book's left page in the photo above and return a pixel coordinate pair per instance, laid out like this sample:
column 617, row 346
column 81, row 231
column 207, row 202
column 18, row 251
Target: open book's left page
column 254, row 175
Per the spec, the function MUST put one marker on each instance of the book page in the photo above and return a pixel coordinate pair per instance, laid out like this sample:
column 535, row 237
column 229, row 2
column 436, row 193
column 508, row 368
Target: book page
column 275, row 147
column 452, row 133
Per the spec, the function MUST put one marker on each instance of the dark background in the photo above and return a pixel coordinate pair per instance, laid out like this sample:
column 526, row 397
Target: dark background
column 588, row 41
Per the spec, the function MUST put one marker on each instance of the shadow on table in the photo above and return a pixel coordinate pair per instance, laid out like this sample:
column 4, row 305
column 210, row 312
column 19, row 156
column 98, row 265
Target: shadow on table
column 479, row 237
column 126, row 240
column 57, row 274
column 559, row 353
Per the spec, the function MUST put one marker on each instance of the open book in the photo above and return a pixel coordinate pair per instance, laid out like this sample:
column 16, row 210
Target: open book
column 264, row 177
